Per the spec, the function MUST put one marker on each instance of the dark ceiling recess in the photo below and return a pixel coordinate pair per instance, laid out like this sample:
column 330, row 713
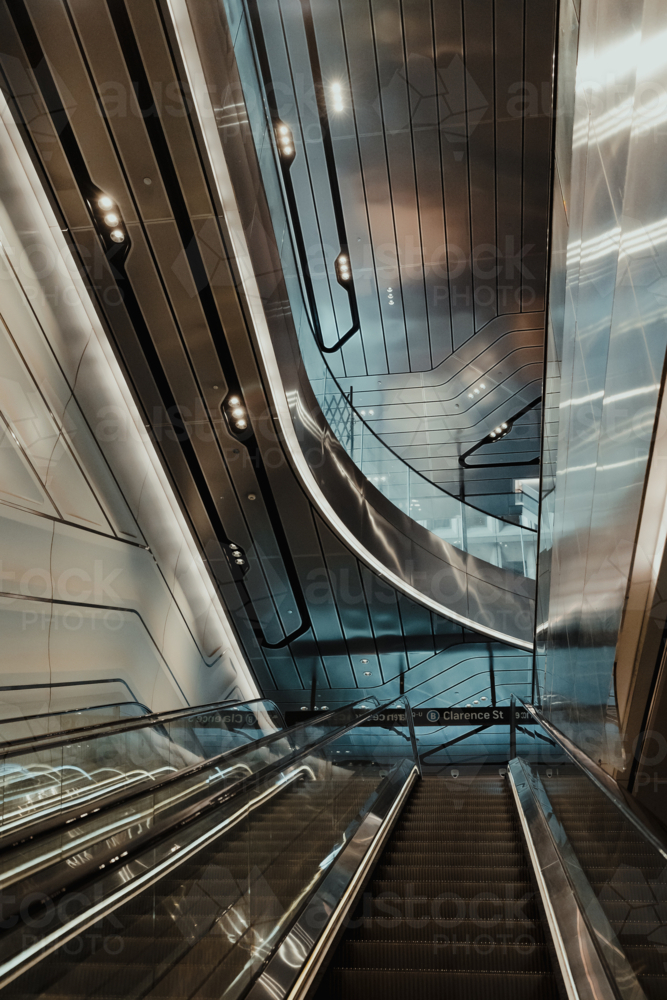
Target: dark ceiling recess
column 287, row 154
column 494, row 437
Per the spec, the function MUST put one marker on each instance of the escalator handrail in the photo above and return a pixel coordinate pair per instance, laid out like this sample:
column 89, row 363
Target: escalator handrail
column 75, row 711
column 134, row 791
column 67, row 737
column 646, row 824
column 591, row 959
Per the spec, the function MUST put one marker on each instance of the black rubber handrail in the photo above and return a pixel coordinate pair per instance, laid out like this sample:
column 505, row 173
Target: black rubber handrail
column 75, row 711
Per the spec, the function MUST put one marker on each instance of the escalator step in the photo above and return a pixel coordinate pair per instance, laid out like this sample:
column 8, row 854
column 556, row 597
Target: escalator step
column 446, row 952
column 449, row 909
column 390, row 871
column 512, row 891
column 377, row 984
column 435, row 854
column 501, row 931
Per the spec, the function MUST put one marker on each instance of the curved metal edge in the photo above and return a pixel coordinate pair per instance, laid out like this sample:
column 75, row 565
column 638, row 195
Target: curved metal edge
column 584, row 956
column 646, row 824
column 493, row 586
column 294, row 965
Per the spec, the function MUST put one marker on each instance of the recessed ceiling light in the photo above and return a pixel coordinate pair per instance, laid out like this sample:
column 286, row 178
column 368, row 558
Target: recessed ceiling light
column 117, row 235
column 105, row 202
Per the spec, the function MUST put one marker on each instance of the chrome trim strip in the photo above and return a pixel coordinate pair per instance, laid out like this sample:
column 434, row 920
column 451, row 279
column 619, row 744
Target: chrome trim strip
column 201, row 99
column 629, row 806
column 591, row 960
column 291, row 970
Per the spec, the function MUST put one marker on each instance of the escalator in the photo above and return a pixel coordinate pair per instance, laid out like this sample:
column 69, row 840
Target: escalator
column 451, row 910
column 195, row 930
column 317, row 862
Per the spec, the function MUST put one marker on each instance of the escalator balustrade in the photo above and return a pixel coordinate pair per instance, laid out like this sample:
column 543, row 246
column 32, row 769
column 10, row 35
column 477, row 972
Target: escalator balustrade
column 626, row 873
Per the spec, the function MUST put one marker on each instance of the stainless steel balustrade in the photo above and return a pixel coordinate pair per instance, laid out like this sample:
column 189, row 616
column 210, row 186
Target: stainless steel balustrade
column 604, row 861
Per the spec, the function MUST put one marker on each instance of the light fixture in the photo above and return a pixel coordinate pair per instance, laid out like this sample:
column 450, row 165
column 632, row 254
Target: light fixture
column 285, row 141
column 342, row 269
column 117, row 235
column 234, row 400
column 501, row 431
column 241, row 424
column 238, row 412
column 105, row 202
column 364, row 661
column 337, row 97
column 367, row 673
column 111, row 219
column 476, row 390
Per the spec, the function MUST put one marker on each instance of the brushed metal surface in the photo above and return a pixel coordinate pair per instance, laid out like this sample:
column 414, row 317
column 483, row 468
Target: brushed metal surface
column 606, row 353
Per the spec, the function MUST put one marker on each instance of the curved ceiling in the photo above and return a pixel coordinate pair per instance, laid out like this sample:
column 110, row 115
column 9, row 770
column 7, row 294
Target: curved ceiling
column 439, row 116
column 99, row 94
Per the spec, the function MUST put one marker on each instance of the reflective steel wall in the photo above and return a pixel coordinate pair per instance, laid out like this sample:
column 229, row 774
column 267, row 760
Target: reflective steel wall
column 606, row 349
